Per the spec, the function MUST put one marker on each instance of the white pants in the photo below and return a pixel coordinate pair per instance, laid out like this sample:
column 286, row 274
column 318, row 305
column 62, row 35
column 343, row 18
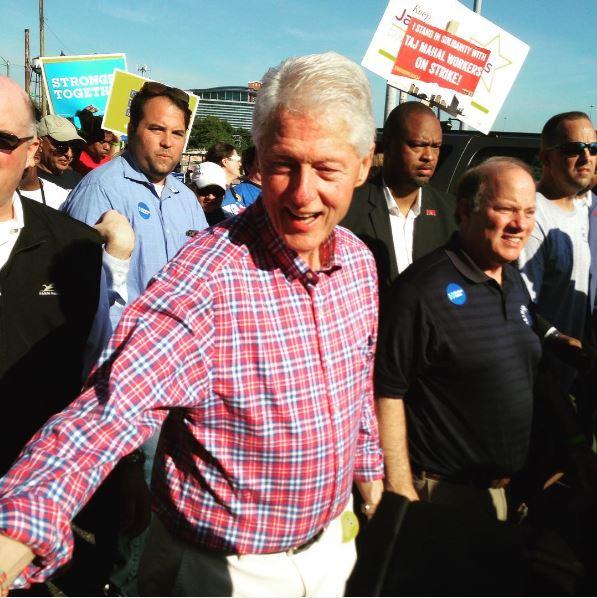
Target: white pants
column 171, row 567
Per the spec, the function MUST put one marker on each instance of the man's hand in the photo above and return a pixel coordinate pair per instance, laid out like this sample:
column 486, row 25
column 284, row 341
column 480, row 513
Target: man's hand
column 14, row 557
column 571, row 351
column 371, row 494
column 117, row 233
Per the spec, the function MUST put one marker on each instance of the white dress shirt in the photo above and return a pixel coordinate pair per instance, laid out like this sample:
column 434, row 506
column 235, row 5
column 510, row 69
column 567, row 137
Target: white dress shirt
column 10, row 230
column 403, row 228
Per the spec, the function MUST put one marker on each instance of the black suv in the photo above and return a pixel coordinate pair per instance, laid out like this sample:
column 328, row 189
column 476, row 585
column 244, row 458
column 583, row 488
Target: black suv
column 463, row 149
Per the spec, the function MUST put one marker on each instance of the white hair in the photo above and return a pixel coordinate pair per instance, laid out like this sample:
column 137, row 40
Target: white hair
column 327, row 85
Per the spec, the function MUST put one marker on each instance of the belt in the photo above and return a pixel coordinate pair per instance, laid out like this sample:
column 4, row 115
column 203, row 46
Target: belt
column 464, row 480
column 307, row 544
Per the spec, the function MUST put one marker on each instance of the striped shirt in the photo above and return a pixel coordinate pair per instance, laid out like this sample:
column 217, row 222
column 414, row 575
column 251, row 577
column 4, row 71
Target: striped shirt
column 261, row 372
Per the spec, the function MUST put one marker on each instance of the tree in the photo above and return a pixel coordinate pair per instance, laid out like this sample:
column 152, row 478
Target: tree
column 244, row 139
column 211, row 129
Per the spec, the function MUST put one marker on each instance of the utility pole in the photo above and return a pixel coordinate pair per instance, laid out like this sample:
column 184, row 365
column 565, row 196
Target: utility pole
column 143, row 69
column 27, row 63
column 392, row 100
column 42, row 52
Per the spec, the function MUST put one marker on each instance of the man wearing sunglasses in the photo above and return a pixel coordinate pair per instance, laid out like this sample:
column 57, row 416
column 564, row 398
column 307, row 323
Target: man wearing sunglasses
column 559, row 266
column 556, row 261
column 59, row 144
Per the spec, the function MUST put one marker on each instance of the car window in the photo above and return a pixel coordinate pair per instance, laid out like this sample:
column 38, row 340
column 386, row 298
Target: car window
column 530, row 155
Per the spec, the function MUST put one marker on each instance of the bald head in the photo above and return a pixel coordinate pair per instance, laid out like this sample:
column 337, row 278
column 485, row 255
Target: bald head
column 396, row 125
column 478, row 183
column 17, row 120
column 24, row 113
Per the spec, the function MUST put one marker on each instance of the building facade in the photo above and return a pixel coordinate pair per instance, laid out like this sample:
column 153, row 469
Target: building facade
column 232, row 104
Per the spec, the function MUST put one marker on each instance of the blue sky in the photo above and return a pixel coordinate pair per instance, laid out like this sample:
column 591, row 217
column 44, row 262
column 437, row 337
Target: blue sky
column 204, row 43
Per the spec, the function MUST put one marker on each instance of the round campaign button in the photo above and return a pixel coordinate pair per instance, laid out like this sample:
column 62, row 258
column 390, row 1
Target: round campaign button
column 144, row 210
column 456, row 294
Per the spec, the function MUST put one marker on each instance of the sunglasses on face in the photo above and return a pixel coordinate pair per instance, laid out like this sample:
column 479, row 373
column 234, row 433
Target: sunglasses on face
column 576, row 148
column 61, row 147
column 10, row 142
column 217, row 192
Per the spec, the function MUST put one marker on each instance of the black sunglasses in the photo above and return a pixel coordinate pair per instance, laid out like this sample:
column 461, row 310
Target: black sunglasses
column 214, row 190
column 576, row 148
column 60, row 146
column 10, row 142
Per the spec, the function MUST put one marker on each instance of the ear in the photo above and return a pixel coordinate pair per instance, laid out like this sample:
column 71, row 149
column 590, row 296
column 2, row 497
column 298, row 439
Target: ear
column 544, row 157
column 364, row 166
column 31, row 152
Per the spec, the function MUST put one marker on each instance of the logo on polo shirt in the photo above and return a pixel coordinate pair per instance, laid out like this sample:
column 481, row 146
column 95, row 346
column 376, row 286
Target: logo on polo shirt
column 456, row 294
column 526, row 316
column 143, row 210
column 48, row 289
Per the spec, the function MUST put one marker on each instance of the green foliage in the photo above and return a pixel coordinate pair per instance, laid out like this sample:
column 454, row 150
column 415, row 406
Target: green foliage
column 211, row 129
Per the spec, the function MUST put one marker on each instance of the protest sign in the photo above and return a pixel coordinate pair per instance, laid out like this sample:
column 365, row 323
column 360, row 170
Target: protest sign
column 74, row 82
column 124, row 87
column 444, row 53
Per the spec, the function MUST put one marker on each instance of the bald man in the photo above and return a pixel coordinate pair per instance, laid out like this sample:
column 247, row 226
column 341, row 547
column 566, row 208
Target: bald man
column 398, row 214
column 54, row 317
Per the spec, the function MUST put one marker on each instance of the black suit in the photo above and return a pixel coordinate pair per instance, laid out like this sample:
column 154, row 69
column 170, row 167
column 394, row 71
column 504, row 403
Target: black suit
column 368, row 218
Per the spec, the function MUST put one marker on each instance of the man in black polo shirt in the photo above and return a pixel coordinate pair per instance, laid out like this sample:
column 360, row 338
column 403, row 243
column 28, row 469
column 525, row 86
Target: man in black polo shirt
column 459, row 346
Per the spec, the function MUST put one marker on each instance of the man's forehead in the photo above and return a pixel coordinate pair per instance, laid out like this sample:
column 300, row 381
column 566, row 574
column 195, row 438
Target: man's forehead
column 15, row 114
column 574, row 129
column 422, row 125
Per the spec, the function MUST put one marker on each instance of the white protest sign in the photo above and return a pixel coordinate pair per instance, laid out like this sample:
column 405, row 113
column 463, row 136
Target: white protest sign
column 443, row 52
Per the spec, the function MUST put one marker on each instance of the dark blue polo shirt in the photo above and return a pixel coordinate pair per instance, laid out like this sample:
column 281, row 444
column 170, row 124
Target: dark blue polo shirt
column 462, row 351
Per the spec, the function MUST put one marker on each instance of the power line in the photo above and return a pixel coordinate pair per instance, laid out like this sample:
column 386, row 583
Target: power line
column 58, row 38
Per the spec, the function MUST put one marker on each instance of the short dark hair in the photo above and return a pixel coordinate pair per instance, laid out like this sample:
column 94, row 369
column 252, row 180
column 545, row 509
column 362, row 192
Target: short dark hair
column 471, row 190
column 551, row 135
column 218, row 151
column 395, row 125
column 153, row 89
column 248, row 158
column 91, row 126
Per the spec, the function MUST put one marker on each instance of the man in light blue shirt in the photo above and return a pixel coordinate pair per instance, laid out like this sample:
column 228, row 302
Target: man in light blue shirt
column 163, row 212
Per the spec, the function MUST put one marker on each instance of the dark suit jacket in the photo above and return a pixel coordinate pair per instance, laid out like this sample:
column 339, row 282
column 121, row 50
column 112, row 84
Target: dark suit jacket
column 593, row 247
column 368, row 218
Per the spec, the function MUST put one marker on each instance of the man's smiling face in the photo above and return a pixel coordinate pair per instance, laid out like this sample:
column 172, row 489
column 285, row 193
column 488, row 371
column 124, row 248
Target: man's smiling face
column 309, row 171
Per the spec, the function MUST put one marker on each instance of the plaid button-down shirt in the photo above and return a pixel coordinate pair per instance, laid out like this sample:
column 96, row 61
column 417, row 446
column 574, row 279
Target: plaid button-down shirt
column 260, row 371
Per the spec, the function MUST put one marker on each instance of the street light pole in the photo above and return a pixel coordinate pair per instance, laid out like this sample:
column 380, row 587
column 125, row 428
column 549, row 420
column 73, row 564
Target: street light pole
column 477, row 9
column 42, row 52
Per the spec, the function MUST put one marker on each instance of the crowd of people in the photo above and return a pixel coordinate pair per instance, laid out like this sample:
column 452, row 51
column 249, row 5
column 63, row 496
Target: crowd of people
column 210, row 387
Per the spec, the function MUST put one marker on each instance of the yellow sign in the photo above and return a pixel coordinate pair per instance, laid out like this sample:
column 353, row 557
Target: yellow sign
column 124, row 87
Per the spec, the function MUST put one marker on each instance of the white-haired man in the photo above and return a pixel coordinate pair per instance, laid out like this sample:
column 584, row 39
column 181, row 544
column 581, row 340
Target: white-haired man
column 254, row 347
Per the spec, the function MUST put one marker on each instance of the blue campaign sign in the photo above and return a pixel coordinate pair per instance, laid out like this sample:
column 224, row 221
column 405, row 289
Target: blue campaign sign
column 74, row 82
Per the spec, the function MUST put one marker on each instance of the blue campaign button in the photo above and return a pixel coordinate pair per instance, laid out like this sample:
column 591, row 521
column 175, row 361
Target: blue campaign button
column 456, row 294
column 144, row 210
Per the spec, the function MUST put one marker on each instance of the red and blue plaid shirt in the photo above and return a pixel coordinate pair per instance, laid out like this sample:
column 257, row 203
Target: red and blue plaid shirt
column 260, row 371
